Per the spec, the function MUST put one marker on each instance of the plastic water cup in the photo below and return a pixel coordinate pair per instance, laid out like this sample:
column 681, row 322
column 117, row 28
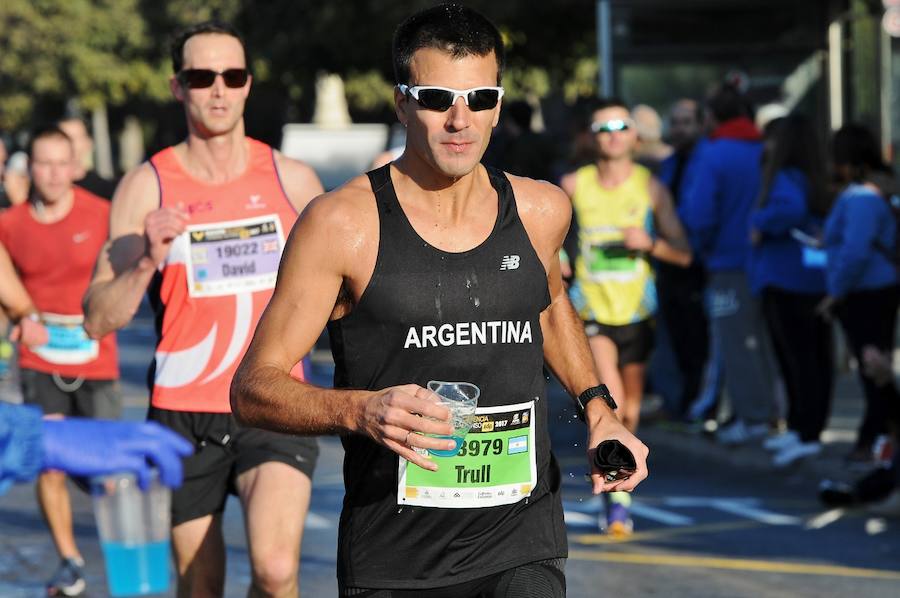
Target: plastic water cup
column 461, row 398
column 134, row 530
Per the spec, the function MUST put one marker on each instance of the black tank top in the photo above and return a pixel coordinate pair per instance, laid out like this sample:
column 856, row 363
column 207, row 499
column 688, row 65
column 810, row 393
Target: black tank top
column 432, row 315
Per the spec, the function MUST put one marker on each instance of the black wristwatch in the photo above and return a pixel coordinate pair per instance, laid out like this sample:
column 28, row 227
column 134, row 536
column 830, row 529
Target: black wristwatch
column 592, row 393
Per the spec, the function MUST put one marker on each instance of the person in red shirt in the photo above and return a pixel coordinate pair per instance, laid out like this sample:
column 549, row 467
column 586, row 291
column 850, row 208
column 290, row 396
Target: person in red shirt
column 52, row 242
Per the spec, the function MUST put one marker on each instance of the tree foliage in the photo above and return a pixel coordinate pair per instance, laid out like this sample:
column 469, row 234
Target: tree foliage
column 94, row 51
column 116, row 51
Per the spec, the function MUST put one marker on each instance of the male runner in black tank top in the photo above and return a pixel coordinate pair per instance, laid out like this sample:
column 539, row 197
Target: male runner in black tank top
column 435, row 268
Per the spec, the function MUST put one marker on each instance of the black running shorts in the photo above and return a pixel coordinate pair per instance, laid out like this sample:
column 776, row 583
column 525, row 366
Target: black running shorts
column 223, row 450
column 634, row 341
column 72, row 397
column 541, row 579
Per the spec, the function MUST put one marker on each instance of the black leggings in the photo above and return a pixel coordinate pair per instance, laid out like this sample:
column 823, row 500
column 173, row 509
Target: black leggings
column 868, row 318
column 803, row 347
column 541, row 579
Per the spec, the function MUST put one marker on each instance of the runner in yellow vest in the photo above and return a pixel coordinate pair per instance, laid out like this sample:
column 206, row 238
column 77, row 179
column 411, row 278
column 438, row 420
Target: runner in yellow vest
column 624, row 216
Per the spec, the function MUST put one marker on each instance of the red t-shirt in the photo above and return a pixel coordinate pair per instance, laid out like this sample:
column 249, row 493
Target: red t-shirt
column 55, row 262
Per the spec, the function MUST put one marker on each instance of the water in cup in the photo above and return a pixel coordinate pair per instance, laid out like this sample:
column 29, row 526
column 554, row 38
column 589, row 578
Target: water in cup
column 134, row 534
column 461, row 398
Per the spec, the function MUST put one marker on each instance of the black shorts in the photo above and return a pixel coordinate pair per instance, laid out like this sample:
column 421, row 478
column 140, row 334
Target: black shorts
column 541, row 579
column 634, row 341
column 223, row 450
column 101, row 399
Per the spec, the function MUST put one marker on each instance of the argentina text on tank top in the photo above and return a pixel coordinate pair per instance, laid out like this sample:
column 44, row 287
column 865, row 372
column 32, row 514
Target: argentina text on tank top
column 217, row 279
column 429, row 315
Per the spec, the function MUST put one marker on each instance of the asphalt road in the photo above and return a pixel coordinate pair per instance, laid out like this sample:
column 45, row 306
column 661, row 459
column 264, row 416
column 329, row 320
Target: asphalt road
column 704, row 526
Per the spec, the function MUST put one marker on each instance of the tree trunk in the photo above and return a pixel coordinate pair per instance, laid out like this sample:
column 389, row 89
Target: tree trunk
column 131, row 144
column 102, row 142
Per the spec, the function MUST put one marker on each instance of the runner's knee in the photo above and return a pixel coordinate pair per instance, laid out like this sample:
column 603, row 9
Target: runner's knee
column 275, row 572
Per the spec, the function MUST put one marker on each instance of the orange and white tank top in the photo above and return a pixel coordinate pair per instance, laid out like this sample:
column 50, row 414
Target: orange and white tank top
column 218, row 278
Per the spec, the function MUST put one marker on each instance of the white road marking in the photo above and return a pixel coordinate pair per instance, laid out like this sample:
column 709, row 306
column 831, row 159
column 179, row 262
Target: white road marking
column 742, row 507
column 316, row 521
column 825, row 519
column 659, row 515
column 576, row 519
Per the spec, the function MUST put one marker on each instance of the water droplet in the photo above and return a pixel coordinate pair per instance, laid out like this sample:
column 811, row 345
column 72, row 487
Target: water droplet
column 572, row 475
column 576, row 445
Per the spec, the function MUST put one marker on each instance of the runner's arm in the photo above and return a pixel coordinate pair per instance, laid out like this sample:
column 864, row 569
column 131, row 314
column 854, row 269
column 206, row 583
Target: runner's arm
column 126, row 263
column 671, row 245
column 300, row 182
column 546, row 212
column 13, row 296
column 17, row 304
column 318, row 258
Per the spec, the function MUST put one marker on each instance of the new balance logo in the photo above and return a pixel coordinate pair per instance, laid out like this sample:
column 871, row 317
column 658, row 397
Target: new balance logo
column 509, row 262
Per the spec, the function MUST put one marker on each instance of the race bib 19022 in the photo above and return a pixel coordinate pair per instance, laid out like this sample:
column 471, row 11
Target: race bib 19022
column 495, row 464
column 240, row 256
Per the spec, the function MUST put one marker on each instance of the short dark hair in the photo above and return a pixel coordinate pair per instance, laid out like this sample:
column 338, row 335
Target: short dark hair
column 595, row 104
column 793, row 142
column 728, row 103
column 451, row 28
column 607, row 102
column 182, row 35
column 46, row 132
column 855, row 146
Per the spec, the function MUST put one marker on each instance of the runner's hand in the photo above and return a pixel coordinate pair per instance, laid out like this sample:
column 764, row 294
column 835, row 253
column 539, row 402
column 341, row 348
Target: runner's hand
column 30, row 333
column 399, row 416
column 637, row 239
column 161, row 228
column 610, row 428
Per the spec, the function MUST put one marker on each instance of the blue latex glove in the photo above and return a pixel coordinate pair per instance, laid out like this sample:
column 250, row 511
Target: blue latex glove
column 91, row 447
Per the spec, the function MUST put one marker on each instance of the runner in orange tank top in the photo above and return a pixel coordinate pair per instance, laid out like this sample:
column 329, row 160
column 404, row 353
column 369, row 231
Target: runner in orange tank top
column 201, row 227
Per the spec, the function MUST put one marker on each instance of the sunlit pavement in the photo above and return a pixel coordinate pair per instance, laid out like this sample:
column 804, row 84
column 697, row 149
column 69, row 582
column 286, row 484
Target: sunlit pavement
column 709, row 521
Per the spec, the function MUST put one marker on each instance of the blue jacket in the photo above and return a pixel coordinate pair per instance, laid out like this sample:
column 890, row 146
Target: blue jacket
column 666, row 173
column 859, row 222
column 721, row 190
column 778, row 260
column 21, row 451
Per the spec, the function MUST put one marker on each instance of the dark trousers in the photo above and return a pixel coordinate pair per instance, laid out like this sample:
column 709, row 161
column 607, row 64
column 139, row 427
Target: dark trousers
column 804, row 349
column 681, row 292
column 868, row 318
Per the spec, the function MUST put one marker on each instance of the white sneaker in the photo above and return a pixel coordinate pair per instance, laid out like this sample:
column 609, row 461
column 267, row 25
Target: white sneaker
column 793, row 452
column 780, row 441
column 739, row 433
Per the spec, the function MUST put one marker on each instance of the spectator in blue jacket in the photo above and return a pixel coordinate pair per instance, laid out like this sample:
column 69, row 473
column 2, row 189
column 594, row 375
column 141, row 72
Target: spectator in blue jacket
column 862, row 278
column 723, row 187
column 787, row 268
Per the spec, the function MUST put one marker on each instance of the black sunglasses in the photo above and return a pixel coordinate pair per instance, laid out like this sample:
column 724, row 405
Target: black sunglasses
column 432, row 97
column 202, row 78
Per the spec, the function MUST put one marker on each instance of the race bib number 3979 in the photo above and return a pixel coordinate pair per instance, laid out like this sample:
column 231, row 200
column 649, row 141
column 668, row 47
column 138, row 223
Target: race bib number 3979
column 495, row 464
column 239, row 256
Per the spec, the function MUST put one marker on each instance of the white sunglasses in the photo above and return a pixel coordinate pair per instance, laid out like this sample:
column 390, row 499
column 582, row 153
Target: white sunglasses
column 441, row 99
